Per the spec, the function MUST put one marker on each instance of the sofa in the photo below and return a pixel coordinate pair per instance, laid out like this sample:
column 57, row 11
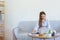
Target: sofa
column 25, row 27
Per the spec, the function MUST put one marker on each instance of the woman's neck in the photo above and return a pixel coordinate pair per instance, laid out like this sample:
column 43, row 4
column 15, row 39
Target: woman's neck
column 43, row 20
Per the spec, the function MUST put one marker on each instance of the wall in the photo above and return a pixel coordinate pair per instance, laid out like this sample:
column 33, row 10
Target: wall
column 1, row 0
column 28, row 10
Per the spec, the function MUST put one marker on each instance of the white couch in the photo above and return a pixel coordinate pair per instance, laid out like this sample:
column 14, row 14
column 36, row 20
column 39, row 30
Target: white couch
column 25, row 27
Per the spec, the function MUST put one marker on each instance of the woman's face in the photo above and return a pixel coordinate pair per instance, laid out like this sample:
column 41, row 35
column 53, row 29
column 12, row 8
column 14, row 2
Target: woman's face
column 43, row 16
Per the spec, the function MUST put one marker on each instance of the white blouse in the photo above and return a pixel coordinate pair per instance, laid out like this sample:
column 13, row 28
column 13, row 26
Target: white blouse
column 45, row 26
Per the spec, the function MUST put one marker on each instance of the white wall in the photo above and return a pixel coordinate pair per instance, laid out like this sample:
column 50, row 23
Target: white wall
column 1, row 0
column 27, row 10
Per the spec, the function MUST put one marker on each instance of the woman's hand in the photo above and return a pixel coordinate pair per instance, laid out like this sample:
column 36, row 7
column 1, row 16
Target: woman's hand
column 34, row 31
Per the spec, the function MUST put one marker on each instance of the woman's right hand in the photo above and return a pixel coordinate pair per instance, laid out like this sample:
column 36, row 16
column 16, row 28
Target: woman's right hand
column 34, row 31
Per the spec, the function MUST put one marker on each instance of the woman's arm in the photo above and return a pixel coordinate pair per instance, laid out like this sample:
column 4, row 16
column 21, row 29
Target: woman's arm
column 33, row 31
column 49, row 26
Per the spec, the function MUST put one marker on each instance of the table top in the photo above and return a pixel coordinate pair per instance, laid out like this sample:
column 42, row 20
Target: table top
column 44, row 37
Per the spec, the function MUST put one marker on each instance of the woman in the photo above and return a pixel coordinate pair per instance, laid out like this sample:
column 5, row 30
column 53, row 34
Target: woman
column 43, row 23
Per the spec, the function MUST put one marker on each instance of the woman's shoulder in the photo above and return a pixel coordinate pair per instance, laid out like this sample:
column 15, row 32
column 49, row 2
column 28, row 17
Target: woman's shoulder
column 47, row 20
column 37, row 23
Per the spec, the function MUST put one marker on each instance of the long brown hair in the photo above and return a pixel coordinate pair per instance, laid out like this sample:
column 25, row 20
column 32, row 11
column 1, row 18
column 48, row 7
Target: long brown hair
column 40, row 19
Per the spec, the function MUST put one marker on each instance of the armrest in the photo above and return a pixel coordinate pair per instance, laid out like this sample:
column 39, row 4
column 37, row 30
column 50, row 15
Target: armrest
column 15, row 30
column 18, row 34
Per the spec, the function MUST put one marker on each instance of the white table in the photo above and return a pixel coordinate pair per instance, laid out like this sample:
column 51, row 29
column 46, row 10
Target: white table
column 43, row 37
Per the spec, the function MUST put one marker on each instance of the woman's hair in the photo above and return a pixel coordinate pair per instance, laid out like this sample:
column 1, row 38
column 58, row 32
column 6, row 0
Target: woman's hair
column 40, row 19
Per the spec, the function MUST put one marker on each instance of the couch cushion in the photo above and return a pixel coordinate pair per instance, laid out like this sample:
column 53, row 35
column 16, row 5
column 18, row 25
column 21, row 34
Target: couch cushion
column 55, row 25
column 26, row 26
